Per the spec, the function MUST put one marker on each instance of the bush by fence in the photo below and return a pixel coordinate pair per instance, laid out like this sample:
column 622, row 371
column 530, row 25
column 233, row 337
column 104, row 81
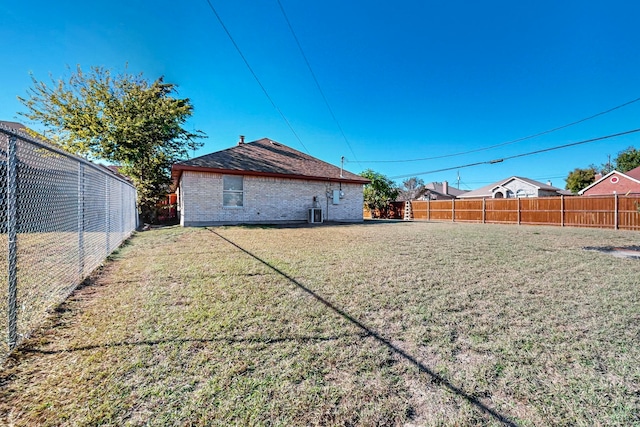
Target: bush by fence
column 60, row 217
column 614, row 211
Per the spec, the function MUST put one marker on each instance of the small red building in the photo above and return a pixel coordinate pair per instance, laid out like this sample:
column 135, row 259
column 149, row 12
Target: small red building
column 615, row 182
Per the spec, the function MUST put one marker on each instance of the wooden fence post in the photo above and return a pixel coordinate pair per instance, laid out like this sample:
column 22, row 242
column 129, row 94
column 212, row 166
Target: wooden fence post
column 561, row 210
column 484, row 209
column 615, row 214
column 429, row 208
column 453, row 210
column 518, row 199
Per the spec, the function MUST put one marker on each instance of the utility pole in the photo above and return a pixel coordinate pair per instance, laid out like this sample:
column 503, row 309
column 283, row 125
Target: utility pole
column 458, row 184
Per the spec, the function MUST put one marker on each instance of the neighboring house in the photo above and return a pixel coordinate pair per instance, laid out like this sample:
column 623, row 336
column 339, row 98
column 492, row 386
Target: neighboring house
column 515, row 187
column 265, row 182
column 615, row 183
column 440, row 191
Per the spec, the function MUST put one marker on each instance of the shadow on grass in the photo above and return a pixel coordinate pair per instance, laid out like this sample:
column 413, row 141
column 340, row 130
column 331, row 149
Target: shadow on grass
column 437, row 378
column 233, row 340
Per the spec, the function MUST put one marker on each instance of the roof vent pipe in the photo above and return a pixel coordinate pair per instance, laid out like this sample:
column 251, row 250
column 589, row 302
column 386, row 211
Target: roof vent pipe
column 241, row 140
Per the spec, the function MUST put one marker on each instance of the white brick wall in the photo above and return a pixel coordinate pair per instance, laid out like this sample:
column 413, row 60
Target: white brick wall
column 266, row 200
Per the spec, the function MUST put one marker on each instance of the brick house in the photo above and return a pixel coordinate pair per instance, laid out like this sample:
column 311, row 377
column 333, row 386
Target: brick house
column 265, row 181
column 615, row 183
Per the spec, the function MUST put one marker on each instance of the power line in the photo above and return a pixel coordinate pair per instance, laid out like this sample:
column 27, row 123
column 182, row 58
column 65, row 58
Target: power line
column 488, row 162
column 304, row 56
column 508, row 142
column 224, row 27
column 536, row 178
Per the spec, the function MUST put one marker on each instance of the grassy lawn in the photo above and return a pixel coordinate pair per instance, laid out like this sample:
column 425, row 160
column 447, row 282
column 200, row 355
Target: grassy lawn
column 376, row 324
column 48, row 269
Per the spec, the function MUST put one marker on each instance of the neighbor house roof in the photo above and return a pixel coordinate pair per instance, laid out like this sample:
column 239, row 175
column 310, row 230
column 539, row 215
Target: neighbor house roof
column 487, row 190
column 438, row 187
column 633, row 174
column 266, row 157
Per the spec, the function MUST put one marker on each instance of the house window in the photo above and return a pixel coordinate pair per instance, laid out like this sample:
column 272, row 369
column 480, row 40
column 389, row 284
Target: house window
column 521, row 193
column 232, row 191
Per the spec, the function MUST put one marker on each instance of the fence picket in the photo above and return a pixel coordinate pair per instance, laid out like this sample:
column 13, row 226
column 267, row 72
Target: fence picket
column 614, row 211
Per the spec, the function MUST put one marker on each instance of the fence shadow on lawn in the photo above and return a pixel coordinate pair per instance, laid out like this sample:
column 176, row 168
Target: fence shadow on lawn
column 234, row 340
column 437, row 378
column 28, row 346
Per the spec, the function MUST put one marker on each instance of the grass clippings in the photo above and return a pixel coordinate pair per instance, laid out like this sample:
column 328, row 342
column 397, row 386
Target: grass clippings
column 376, row 324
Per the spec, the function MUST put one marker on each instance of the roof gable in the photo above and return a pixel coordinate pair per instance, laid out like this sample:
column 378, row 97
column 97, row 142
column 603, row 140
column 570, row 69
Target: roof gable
column 265, row 157
column 633, row 175
column 539, row 185
column 487, row 190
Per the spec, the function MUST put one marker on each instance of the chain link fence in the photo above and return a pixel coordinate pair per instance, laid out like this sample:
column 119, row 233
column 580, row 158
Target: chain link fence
column 60, row 217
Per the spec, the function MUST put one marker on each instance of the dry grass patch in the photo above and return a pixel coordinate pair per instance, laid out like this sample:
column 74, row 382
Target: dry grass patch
column 48, row 269
column 376, row 324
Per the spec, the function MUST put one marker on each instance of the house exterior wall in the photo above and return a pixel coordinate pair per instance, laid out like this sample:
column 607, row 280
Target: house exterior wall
column 265, row 200
column 514, row 186
column 434, row 195
column 623, row 186
column 526, row 190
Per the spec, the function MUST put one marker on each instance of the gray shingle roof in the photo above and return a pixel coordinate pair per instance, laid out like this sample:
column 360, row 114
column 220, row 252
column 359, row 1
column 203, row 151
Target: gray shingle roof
column 438, row 187
column 265, row 157
column 13, row 125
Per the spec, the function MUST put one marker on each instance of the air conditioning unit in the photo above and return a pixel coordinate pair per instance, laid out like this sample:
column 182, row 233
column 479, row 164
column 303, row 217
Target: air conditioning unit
column 315, row 215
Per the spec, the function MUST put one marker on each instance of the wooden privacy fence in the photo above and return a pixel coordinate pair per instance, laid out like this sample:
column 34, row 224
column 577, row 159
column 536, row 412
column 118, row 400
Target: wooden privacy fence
column 614, row 211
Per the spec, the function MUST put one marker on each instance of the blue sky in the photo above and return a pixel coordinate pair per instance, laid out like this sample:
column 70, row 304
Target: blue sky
column 408, row 80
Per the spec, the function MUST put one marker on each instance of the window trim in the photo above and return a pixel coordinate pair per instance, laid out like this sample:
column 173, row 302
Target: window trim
column 226, row 192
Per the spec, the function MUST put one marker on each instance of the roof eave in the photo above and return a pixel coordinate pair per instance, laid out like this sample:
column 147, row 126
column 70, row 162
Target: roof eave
column 177, row 169
column 594, row 183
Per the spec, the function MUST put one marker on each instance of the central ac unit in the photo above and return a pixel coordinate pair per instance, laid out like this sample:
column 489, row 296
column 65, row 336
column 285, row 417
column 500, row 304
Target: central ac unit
column 315, row 215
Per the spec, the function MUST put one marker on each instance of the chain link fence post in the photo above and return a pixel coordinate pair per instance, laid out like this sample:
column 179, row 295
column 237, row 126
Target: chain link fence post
column 60, row 217
column 80, row 221
column 12, row 300
column 107, row 214
column 122, row 205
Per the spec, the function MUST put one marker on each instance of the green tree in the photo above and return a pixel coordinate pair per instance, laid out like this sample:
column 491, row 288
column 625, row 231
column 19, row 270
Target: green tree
column 627, row 160
column 580, row 178
column 379, row 193
column 121, row 118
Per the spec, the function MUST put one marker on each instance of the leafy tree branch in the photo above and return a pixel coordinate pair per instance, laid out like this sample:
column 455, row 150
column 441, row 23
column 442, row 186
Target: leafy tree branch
column 122, row 118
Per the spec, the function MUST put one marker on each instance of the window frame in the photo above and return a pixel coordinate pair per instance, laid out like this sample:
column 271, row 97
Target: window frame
column 227, row 191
